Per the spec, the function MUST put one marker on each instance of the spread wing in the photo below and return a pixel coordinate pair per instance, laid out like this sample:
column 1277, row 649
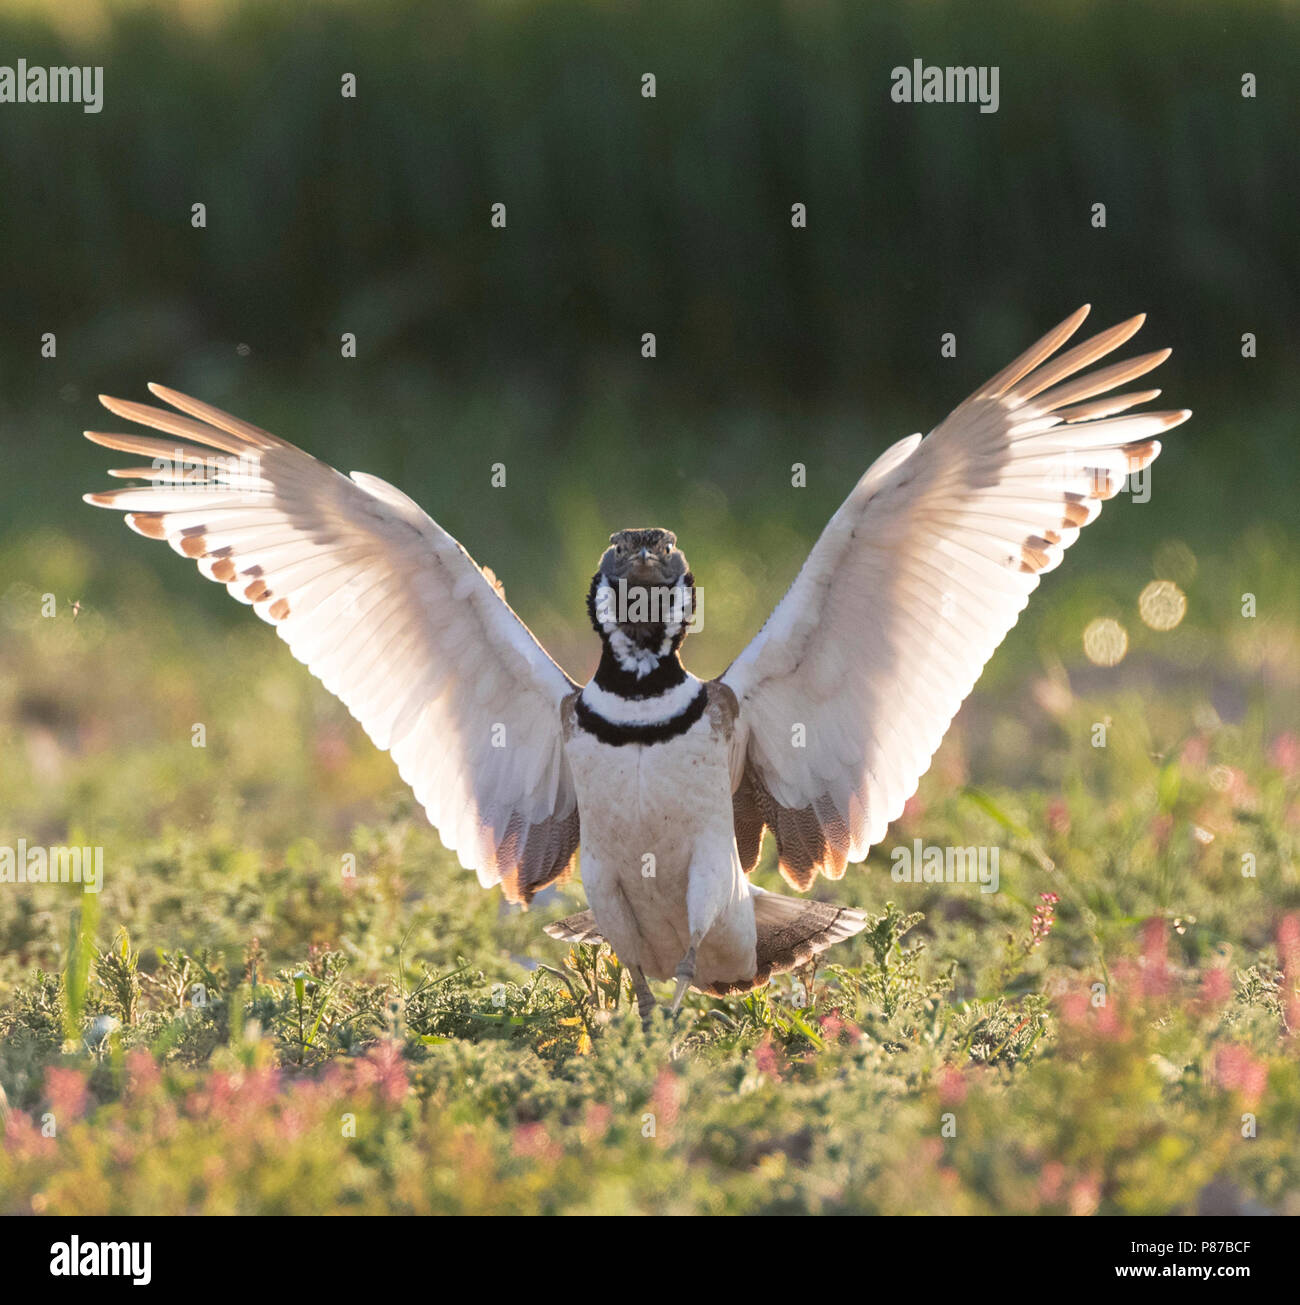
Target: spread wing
column 387, row 610
column 847, row 691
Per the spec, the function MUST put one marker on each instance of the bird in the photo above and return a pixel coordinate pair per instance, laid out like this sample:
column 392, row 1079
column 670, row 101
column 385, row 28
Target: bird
column 663, row 786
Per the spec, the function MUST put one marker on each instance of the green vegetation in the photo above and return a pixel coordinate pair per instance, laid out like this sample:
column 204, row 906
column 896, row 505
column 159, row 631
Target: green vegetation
column 310, row 1006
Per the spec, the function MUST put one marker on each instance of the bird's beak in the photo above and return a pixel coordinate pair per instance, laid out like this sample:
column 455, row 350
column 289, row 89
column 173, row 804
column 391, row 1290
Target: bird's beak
column 645, row 569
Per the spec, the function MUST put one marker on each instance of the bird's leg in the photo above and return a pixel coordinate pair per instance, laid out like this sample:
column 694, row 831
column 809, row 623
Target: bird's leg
column 645, row 999
column 685, row 973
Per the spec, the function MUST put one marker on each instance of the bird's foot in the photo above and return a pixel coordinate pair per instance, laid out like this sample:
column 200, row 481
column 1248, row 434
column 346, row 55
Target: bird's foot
column 685, row 973
column 645, row 999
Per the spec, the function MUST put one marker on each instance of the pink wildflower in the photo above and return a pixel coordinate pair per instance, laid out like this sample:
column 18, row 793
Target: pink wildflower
column 664, row 1100
column 24, row 1140
column 1058, row 816
column 383, row 1068
column 67, row 1094
column 1284, row 753
column 1154, row 973
column 595, row 1121
column 1216, row 988
column 533, row 1142
column 1044, row 919
column 1161, row 827
column 142, row 1074
column 1050, row 1181
column 1236, row 1070
column 768, row 1058
column 951, row 1084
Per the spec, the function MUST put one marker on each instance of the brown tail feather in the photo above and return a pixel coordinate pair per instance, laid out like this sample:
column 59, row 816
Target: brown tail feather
column 580, row 928
column 791, row 933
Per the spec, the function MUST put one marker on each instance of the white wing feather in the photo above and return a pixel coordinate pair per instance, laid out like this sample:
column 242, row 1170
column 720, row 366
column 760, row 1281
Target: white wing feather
column 387, row 610
column 911, row 587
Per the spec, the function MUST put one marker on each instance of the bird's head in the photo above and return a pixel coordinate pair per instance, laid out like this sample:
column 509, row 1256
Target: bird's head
column 642, row 597
column 643, row 557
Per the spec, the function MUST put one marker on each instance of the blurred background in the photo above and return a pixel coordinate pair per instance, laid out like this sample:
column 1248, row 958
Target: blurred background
column 626, row 215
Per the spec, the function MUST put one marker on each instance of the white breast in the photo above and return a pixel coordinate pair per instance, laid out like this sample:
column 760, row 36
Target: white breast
column 658, row 844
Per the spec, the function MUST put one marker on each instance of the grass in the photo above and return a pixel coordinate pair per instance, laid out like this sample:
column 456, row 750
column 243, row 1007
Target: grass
column 288, row 997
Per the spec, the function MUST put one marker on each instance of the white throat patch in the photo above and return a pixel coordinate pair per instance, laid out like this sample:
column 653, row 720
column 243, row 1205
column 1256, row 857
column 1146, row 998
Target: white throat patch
column 633, row 659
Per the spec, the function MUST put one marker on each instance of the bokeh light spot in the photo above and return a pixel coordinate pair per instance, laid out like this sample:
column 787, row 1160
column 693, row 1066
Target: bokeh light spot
column 1162, row 604
column 1105, row 641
